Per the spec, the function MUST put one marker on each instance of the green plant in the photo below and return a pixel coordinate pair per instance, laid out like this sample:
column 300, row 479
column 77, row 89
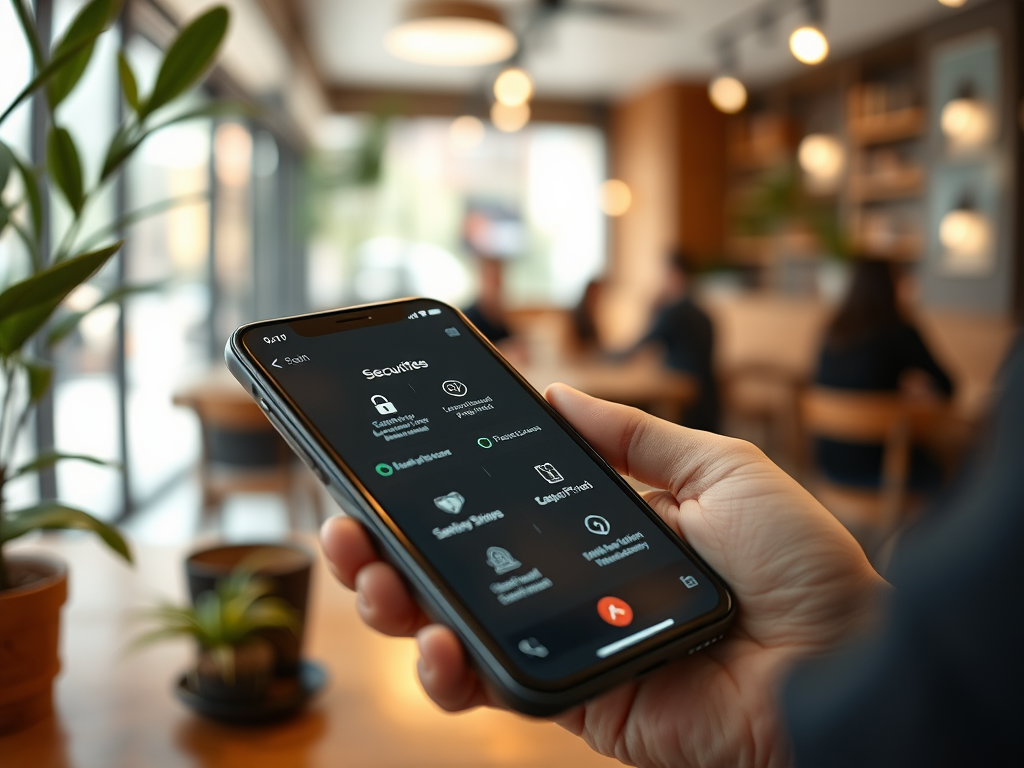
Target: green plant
column 31, row 318
column 223, row 619
column 778, row 199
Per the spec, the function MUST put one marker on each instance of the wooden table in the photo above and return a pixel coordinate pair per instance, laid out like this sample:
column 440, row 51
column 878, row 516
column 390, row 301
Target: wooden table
column 640, row 380
column 117, row 711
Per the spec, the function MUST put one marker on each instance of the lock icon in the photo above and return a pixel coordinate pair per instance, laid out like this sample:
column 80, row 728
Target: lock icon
column 385, row 406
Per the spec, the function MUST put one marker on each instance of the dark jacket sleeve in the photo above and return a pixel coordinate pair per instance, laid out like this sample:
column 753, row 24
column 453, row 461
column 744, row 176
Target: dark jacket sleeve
column 940, row 684
column 917, row 355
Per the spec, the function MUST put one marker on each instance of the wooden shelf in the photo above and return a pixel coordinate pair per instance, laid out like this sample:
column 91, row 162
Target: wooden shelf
column 904, row 184
column 888, row 127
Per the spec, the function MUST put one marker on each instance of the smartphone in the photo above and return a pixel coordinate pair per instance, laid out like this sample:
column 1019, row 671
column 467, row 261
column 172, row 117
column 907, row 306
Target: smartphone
column 559, row 579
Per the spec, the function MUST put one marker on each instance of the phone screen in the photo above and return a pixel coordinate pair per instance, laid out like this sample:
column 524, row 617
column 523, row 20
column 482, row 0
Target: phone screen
column 561, row 566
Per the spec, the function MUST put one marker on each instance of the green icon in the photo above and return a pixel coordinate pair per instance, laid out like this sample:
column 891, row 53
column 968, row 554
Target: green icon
column 484, row 442
column 384, row 470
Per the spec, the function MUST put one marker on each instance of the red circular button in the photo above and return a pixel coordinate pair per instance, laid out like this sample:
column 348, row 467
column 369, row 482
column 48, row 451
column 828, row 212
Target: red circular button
column 615, row 611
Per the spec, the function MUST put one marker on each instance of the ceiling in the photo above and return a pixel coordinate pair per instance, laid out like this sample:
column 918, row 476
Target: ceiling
column 583, row 57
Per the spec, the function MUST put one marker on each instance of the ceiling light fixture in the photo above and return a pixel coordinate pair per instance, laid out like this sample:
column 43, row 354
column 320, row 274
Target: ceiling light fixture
column 451, row 33
column 808, row 43
column 509, row 119
column 513, row 87
column 966, row 121
column 952, row 3
column 726, row 92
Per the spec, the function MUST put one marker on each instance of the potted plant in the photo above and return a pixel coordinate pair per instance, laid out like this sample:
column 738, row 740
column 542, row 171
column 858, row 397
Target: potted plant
column 32, row 320
column 234, row 663
column 233, row 674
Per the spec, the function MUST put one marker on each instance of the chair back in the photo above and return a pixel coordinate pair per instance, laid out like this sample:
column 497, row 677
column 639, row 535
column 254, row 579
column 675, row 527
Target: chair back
column 882, row 418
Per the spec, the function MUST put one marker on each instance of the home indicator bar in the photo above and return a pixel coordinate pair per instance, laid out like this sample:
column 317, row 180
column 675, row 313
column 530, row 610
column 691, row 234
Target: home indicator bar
column 643, row 634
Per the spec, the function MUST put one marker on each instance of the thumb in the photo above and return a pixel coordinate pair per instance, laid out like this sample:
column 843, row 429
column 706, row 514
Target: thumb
column 653, row 451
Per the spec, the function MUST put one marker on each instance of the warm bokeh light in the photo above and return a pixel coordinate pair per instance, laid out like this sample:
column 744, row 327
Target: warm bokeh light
column 822, row 158
column 727, row 94
column 509, row 119
column 466, row 133
column 513, row 87
column 966, row 122
column 232, row 152
column 451, row 42
column 808, row 45
column 964, row 232
column 615, row 197
column 953, row 3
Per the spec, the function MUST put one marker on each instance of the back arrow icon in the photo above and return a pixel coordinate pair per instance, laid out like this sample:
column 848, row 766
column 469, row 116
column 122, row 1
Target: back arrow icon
column 275, row 364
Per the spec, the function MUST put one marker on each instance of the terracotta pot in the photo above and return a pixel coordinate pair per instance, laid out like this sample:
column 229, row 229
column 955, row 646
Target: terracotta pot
column 289, row 571
column 29, row 638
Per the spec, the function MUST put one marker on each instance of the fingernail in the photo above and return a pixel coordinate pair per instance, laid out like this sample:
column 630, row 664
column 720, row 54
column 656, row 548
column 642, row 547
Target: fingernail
column 423, row 665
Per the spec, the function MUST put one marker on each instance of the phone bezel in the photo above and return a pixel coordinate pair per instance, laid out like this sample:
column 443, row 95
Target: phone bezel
column 326, row 322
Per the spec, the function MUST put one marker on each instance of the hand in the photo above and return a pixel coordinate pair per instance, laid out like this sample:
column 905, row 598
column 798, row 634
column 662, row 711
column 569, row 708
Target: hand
column 800, row 580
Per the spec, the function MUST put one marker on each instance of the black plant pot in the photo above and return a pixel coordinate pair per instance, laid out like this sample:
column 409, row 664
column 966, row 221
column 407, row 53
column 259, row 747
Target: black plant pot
column 248, row 681
column 288, row 568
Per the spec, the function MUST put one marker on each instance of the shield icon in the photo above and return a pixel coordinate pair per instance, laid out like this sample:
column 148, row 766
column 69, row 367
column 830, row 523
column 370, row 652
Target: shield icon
column 451, row 503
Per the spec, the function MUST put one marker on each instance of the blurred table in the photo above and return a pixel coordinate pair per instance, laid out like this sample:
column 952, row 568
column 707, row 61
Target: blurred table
column 640, row 380
column 117, row 710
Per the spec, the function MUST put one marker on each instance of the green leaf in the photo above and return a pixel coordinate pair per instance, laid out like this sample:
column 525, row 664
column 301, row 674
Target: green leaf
column 51, row 515
column 35, row 200
column 16, row 330
column 188, row 58
column 53, row 283
column 6, row 164
column 40, row 374
column 90, row 22
column 128, row 84
column 25, row 306
column 45, row 75
column 142, row 213
column 28, row 28
column 127, row 139
column 66, row 324
column 65, row 167
column 50, row 458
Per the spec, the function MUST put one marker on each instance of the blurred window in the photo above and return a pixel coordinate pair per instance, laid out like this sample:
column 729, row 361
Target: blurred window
column 166, row 329
column 85, row 393
column 402, row 231
column 16, row 66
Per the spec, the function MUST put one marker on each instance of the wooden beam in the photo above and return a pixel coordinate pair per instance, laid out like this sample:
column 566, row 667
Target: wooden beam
column 416, row 103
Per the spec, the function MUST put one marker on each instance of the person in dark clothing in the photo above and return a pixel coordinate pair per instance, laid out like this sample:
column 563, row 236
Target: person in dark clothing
column 488, row 311
column 685, row 333
column 870, row 346
column 587, row 339
column 829, row 664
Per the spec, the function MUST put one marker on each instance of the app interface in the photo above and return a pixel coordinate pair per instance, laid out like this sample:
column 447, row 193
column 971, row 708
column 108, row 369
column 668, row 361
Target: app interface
column 560, row 566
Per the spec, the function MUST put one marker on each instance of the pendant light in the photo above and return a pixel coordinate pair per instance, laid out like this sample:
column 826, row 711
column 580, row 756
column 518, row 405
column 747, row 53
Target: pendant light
column 453, row 33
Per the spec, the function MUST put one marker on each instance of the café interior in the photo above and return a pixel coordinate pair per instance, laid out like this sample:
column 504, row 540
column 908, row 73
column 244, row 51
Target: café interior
column 570, row 172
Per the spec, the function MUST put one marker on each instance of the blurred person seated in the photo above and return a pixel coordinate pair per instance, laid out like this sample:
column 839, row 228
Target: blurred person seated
column 488, row 311
column 587, row 339
column 871, row 345
column 684, row 331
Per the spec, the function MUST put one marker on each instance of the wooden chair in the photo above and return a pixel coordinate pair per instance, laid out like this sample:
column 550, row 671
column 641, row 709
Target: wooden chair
column 243, row 453
column 761, row 397
column 885, row 419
